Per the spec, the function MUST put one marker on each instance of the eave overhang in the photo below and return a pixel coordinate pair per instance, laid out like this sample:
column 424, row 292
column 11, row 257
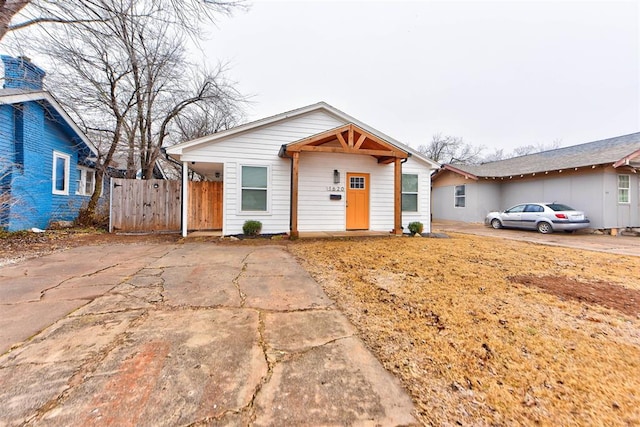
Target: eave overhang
column 626, row 160
column 347, row 139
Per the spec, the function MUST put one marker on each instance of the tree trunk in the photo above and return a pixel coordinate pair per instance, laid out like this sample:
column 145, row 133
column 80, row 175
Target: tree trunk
column 9, row 9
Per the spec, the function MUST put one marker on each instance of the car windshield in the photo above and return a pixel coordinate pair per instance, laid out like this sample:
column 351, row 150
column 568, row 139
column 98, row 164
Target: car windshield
column 559, row 207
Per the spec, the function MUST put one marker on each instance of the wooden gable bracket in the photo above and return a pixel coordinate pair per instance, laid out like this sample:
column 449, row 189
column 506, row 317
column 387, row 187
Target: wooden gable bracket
column 626, row 160
column 347, row 139
column 365, row 143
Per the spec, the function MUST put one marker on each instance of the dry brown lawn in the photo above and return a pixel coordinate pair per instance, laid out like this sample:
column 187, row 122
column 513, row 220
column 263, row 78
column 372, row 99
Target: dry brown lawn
column 486, row 331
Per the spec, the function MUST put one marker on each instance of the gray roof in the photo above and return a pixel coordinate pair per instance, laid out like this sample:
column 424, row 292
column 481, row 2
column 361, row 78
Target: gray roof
column 606, row 151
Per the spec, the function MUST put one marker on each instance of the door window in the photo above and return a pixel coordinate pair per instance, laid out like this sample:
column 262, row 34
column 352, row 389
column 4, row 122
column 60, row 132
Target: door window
column 356, row 182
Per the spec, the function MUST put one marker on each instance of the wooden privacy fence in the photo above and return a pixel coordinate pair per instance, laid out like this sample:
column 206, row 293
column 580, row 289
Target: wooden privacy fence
column 145, row 205
column 155, row 205
column 205, row 205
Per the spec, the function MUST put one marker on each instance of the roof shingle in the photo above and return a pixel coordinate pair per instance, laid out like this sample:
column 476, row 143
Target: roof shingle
column 592, row 153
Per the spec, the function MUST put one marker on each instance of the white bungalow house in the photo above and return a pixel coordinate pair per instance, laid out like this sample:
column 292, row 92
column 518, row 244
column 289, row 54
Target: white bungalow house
column 311, row 169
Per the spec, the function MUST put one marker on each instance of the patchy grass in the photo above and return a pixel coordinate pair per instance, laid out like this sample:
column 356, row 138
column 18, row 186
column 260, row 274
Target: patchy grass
column 477, row 338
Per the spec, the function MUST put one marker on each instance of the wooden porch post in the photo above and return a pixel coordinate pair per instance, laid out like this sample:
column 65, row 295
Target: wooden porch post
column 294, row 194
column 397, row 199
column 185, row 195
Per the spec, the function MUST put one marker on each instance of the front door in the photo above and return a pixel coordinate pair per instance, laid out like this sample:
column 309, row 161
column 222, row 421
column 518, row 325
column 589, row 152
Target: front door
column 357, row 201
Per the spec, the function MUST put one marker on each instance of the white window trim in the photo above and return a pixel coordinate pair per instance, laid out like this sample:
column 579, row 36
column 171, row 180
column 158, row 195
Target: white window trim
column 67, row 163
column 628, row 202
column 417, row 193
column 83, row 170
column 239, row 210
column 455, row 196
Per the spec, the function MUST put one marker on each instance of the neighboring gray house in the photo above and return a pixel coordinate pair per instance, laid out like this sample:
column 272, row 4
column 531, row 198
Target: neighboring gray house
column 599, row 178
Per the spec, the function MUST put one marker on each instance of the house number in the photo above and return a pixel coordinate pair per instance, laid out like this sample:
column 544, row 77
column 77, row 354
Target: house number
column 334, row 188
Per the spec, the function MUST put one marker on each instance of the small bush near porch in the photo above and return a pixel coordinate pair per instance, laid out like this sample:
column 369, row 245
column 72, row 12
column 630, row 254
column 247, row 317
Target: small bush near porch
column 486, row 331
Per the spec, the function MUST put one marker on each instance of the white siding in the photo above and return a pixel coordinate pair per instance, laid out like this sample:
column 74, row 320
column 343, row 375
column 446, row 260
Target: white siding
column 316, row 212
column 260, row 147
column 423, row 215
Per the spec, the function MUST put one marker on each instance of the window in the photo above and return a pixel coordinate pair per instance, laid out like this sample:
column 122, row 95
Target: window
column 254, row 188
column 623, row 188
column 18, row 128
column 534, row 208
column 86, row 181
column 60, row 175
column 409, row 193
column 356, row 182
column 460, row 196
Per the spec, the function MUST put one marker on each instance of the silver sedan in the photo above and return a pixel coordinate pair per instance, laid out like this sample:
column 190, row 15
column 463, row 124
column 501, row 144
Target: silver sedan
column 544, row 217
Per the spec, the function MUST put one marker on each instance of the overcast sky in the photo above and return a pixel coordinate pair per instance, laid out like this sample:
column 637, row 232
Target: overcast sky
column 501, row 74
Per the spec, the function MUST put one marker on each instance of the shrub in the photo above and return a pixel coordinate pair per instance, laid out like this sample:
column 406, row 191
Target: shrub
column 252, row 228
column 416, row 227
column 99, row 219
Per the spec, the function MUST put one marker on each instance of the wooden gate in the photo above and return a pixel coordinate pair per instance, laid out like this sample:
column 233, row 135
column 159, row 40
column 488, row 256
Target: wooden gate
column 145, row 205
column 155, row 205
column 205, row 205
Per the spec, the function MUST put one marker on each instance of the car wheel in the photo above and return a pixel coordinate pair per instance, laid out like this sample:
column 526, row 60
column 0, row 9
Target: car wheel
column 545, row 227
column 495, row 223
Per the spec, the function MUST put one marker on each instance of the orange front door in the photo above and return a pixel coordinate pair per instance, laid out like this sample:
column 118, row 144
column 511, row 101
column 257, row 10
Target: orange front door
column 357, row 201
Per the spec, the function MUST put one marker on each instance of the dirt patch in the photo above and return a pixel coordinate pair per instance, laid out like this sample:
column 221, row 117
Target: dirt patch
column 473, row 347
column 596, row 292
column 22, row 245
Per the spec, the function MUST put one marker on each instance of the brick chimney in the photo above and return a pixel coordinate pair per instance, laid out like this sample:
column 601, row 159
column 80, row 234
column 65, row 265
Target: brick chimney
column 20, row 73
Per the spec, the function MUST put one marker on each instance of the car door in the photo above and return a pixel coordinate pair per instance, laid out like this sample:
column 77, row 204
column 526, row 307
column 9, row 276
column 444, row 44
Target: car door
column 531, row 215
column 512, row 217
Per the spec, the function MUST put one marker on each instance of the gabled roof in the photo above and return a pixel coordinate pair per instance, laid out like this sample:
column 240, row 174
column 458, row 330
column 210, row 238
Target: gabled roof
column 177, row 150
column 616, row 152
column 350, row 139
column 15, row 96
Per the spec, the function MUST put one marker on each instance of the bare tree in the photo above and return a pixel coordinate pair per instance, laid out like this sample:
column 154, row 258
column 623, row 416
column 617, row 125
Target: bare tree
column 127, row 79
column 9, row 9
column 451, row 149
column 187, row 14
column 499, row 154
column 535, row 148
column 206, row 119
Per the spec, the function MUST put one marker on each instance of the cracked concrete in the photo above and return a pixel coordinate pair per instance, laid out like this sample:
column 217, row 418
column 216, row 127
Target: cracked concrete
column 180, row 335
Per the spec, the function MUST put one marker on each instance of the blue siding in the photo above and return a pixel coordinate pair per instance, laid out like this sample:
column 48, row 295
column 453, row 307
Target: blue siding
column 34, row 204
column 20, row 73
column 6, row 160
column 30, row 133
column 32, row 201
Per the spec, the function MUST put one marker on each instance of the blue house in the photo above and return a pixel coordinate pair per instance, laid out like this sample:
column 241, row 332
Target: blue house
column 46, row 172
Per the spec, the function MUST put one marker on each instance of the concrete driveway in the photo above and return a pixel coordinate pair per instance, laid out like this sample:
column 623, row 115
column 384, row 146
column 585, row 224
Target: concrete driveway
column 622, row 245
column 178, row 334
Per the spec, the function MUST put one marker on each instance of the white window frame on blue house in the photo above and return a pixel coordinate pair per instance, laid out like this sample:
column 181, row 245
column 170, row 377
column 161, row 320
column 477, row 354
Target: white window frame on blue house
column 83, row 180
column 55, row 173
